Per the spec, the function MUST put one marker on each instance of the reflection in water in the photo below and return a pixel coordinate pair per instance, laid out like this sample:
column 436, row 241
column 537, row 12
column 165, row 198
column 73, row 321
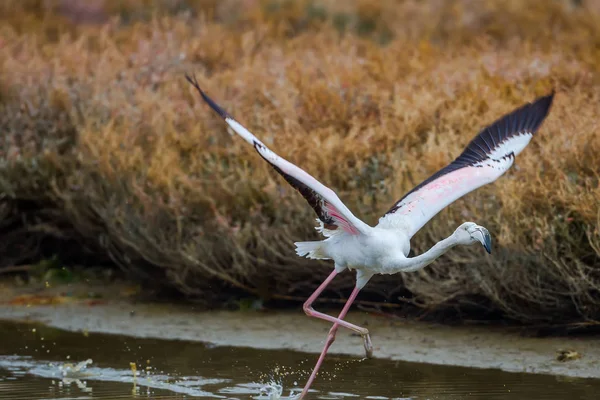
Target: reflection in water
column 68, row 374
column 45, row 363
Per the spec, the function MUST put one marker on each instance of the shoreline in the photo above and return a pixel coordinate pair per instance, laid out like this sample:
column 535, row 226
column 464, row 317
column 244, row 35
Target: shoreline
column 465, row 346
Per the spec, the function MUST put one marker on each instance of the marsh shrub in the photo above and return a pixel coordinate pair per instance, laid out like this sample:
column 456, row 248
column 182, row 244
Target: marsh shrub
column 103, row 142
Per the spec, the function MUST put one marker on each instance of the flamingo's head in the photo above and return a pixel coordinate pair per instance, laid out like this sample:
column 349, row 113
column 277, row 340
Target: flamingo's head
column 469, row 233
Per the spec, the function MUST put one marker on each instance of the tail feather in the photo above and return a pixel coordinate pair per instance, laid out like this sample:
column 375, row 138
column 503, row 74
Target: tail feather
column 312, row 249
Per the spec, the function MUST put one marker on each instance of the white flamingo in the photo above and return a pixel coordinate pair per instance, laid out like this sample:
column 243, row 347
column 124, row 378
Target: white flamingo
column 384, row 248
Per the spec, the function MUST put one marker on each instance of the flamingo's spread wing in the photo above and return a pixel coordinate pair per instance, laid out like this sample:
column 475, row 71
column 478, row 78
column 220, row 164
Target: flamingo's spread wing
column 329, row 208
column 485, row 159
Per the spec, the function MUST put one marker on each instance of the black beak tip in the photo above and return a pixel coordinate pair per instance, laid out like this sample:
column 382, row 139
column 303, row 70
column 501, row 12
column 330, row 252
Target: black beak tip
column 488, row 244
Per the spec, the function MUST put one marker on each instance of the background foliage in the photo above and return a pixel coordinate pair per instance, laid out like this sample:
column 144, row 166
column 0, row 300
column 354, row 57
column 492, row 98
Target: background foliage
column 107, row 153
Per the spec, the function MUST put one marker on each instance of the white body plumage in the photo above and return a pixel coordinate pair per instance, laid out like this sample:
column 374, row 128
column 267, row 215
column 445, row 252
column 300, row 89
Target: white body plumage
column 384, row 249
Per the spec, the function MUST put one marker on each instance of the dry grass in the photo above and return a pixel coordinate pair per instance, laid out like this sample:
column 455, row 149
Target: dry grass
column 104, row 141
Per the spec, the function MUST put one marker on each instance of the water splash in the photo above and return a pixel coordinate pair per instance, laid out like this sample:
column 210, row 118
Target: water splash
column 82, row 372
column 273, row 391
column 69, row 370
column 79, row 374
column 72, row 374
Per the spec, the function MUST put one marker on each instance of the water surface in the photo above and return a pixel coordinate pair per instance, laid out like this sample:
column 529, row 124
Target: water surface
column 38, row 362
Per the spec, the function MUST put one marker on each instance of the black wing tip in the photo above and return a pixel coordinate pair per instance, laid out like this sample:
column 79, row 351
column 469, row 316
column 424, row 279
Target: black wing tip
column 528, row 117
column 537, row 110
column 222, row 113
column 544, row 102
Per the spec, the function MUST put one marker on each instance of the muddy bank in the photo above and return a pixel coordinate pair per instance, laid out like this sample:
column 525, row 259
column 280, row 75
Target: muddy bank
column 479, row 347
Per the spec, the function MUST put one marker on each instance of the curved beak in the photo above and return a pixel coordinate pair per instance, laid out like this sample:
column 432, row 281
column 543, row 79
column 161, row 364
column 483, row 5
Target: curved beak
column 485, row 238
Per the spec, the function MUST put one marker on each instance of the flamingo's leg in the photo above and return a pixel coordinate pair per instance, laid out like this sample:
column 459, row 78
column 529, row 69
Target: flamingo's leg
column 331, row 339
column 310, row 311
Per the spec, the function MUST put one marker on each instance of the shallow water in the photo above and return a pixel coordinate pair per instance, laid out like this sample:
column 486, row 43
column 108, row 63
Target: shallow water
column 38, row 362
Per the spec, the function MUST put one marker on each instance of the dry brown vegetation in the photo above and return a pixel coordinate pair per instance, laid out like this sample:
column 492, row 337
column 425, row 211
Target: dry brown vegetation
column 106, row 148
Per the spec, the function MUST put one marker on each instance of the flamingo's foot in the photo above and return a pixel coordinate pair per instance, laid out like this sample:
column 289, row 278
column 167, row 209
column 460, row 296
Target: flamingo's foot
column 368, row 345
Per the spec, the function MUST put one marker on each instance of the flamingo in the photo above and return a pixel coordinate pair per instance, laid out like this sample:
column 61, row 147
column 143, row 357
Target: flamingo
column 384, row 248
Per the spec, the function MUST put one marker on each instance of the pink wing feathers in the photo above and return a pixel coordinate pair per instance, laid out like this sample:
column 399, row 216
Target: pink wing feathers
column 489, row 155
column 326, row 204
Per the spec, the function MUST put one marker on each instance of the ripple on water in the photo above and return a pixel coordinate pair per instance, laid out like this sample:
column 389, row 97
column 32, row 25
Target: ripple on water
column 66, row 374
column 171, row 370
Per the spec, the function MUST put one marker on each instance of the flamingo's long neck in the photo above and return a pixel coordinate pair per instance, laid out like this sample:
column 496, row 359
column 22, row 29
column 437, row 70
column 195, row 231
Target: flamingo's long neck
column 415, row 263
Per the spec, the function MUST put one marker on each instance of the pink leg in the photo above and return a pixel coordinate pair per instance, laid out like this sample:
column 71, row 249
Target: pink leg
column 338, row 321
column 331, row 339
